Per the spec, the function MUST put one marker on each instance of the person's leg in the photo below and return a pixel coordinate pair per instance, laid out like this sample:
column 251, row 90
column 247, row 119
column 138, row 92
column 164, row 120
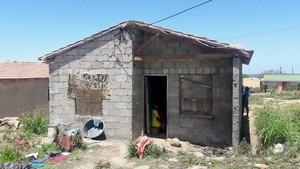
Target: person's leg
column 247, row 109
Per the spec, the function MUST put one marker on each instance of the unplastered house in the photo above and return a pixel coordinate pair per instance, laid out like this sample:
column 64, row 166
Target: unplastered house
column 120, row 72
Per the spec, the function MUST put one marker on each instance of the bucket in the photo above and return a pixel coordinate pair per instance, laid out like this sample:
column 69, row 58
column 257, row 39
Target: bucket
column 93, row 128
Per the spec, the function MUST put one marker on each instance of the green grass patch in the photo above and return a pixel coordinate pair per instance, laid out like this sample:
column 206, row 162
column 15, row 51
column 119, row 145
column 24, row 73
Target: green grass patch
column 102, row 165
column 10, row 153
column 288, row 95
column 35, row 123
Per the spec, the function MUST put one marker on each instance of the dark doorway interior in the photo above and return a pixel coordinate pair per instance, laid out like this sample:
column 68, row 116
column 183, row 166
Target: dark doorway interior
column 155, row 93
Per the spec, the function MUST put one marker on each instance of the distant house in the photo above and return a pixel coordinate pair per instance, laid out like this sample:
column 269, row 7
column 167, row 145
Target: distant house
column 252, row 82
column 281, row 81
column 23, row 87
column 120, row 72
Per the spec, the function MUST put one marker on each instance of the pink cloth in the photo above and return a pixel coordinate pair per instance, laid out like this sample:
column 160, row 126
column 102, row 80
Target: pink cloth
column 20, row 142
column 140, row 146
column 57, row 159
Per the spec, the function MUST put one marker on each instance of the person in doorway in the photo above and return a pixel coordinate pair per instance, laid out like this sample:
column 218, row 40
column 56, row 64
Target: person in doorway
column 156, row 120
column 245, row 100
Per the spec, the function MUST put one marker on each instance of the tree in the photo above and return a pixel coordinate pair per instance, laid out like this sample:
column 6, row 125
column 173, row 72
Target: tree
column 269, row 72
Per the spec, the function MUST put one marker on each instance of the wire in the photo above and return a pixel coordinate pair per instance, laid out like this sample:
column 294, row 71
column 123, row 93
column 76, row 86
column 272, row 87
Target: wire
column 260, row 33
column 203, row 3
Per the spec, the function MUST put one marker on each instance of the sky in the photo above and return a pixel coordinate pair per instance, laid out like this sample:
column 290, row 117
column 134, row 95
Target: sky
column 32, row 28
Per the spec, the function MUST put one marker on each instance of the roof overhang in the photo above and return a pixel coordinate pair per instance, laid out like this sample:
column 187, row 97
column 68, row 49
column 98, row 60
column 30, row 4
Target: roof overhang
column 239, row 52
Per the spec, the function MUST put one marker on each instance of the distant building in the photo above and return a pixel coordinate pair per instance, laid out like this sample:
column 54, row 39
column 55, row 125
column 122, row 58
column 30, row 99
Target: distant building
column 23, row 86
column 252, row 82
column 280, row 82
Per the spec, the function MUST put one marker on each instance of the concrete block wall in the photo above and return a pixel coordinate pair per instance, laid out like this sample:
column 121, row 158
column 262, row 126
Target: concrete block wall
column 215, row 131
column 22, row 96
column 194, row 129
column 237, row 101
column 109, row 54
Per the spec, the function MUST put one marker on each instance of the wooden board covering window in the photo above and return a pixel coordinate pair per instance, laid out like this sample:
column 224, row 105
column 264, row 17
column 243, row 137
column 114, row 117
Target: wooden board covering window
column 196, row 94
column 88, row 102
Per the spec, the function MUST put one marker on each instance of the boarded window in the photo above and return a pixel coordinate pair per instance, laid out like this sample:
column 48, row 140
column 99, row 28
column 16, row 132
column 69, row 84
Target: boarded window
column 196, row 94
column 88, row 92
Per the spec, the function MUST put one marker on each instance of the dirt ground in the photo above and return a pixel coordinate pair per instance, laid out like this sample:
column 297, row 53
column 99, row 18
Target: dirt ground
column 115, row 153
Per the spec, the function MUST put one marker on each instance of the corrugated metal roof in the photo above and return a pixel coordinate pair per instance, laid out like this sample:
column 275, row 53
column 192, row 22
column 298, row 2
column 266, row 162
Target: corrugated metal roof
column 239, row 50
column 23, row 70
column 282, row 78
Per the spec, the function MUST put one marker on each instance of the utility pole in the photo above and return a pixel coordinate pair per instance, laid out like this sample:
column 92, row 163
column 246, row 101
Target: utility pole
column 280, row 70
column 292, row 70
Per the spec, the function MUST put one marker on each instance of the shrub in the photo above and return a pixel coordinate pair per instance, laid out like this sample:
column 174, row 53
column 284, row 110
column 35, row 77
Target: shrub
column 151, row 150
column 275, row 127
column 10, row 154
column 35, row 123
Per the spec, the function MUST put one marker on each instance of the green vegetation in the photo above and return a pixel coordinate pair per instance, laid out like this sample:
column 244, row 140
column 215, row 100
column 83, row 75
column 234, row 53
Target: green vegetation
column 151, row 150
column 188, row 159
column 102, row 165
column 35, row 123
column 10, row 153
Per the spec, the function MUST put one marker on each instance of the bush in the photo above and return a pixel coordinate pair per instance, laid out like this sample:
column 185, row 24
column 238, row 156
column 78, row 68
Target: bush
column 275, row 127
column 151, row 150
column 35, row 123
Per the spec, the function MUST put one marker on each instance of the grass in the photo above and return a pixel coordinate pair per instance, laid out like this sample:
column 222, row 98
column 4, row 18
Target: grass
column 10, row 153
column 35, row 123
column 151, row 150
column 102, row 165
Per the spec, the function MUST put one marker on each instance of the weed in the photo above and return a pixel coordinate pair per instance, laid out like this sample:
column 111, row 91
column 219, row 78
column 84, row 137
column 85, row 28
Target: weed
column 244, row 147
column 35, row 123
column 188, row 159
column 151, row 150
column 102, row 164
column 10, row 154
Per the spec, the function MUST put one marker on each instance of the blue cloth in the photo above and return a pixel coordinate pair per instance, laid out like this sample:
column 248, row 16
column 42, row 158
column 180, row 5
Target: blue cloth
column 71, row 132
column 96, row 122
column 37, row 165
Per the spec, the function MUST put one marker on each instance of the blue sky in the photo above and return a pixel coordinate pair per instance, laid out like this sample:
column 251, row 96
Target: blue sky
column 32, row 28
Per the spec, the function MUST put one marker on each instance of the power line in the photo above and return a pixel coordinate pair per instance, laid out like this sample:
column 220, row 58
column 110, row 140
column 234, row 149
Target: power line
column 203, row 3
column 261, row 33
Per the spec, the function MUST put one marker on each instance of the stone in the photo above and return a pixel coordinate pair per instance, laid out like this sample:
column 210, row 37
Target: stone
column 261, row 166
column 278, row 148
column 175, row 142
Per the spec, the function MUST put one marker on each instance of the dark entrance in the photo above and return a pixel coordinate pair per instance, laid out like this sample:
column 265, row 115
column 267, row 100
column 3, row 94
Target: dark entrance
column 155, row 94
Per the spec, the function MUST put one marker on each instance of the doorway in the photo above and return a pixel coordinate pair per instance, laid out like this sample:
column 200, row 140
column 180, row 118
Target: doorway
column 155, row 93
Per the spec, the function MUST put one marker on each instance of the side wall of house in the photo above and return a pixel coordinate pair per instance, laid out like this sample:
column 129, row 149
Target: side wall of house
column 196, row 129
column 23, row 95
column 107, row 55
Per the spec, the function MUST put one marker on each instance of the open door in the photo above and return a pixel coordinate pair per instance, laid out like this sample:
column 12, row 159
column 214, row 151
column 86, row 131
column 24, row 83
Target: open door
column 155, row 93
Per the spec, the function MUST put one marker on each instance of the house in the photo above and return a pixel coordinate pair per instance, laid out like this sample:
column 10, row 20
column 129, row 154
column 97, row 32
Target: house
column 252, row 82
column 281, row 82
column 23, row 86
column 120, row 72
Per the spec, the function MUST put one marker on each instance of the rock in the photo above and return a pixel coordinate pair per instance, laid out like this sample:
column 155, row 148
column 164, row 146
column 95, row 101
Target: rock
column 197, row 167
column 198, row 154
column 173, row 160
column 9, row 123
column 278, row 148
column 175, row 142
column 261, row 166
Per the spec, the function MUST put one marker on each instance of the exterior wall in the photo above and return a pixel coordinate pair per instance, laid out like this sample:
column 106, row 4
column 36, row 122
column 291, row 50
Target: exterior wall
column 111, row 55
column 23, row 95
column 196, row 129
column 236, row 101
